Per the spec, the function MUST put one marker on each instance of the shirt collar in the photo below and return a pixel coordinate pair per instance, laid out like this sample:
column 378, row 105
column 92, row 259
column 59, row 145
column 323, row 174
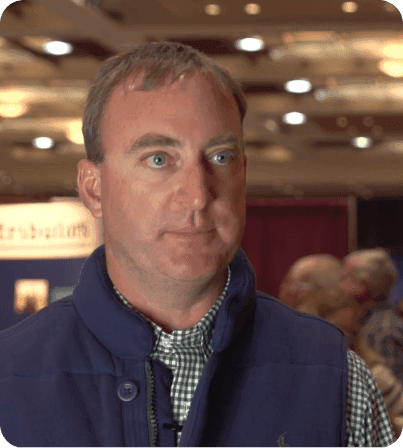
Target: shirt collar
column 200, row 334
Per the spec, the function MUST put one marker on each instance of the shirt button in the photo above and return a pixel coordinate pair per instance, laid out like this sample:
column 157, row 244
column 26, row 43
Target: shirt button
column 127, row 391
column 166, row 343
column 185, row 407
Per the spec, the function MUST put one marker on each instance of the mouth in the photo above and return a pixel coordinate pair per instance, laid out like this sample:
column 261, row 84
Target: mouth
column 192, row 235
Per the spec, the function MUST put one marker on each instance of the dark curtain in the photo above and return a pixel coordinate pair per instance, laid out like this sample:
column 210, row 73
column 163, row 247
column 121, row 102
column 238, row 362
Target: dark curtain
column 280, row 231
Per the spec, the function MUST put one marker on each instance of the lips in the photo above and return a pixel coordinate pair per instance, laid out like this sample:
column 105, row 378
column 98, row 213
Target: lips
column 190, row 231
column 191, row 235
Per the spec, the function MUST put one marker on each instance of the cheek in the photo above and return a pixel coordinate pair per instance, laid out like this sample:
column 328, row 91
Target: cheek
column 131, row 205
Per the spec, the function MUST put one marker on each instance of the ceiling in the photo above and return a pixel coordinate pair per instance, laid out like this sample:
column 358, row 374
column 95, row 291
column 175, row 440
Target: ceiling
column 339, row 53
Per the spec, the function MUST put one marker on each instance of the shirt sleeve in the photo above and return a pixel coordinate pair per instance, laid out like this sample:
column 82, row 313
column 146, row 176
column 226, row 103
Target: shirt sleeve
column 367, row 421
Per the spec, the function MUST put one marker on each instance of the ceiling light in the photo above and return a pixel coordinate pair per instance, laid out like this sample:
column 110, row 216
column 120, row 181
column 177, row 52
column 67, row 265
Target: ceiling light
column 298, row 86
column 35, row 42
column 361, row 142
column 393, row 51
column 74, row 132
column 250, row 44
column 349, row 7
column 271, row 125
column 58, row 48
column 277, row 153
column 294, row 118
column 342, row 122
column 43, row 142
column 212, row 10
column 12, row 110
column 252, row 8
column 368, row 121
column 395, row 91
column 393, row 68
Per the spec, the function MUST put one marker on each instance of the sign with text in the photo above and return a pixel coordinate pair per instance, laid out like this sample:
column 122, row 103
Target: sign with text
column 46, row 230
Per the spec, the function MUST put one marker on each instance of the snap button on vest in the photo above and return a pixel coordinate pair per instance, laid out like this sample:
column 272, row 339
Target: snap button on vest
column 127, row 391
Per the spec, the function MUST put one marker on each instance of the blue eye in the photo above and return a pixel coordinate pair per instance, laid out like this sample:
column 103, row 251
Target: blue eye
column 222, row 158
column 158, row 160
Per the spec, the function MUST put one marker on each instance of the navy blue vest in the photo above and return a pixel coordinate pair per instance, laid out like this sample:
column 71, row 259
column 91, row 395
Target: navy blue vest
column 276, row 378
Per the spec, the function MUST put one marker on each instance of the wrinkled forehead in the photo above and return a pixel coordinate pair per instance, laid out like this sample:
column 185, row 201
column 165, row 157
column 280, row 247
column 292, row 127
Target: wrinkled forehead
column 140, row 79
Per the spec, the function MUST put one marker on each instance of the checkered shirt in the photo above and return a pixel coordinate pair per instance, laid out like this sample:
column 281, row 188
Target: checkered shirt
column 186, row 352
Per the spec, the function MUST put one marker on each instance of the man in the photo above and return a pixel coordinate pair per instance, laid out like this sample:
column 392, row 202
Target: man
column 311, row 282
column 316, row 280
column 370, row 275
column 165, row 339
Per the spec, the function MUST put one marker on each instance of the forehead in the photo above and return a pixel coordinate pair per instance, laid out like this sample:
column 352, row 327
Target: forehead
column 191, row 94
column 192, row 110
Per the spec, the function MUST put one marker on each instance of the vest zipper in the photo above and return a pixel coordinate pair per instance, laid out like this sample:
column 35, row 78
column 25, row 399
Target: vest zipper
column 151, row 418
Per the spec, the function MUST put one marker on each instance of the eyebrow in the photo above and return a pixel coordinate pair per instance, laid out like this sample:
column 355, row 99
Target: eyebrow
column 160, row 140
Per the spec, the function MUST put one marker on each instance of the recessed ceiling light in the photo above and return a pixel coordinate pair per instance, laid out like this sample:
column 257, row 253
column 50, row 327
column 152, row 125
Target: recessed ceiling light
column 271, row 125
column 212, row 10
column 342, row 122
column 298, row 86
column 294, row 118
column 349, row 7
column 252, row 8
column 391, row 67
column 58, row 47
column 393, row 51
column 361, row 142
column 250, row 44
column 12, row 110
column 43, row 142
column 74, row 133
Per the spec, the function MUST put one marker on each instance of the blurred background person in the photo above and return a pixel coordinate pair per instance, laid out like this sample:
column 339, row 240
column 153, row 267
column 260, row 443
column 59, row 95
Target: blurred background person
column 368, row 275
column 347, row 318
column 343, row 294
column 311, row 283
column 384, row 333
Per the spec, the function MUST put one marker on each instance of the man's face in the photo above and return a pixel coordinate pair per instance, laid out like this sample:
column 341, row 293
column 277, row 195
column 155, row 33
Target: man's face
column 348, row 284
column 173, row 181
column 353, row 288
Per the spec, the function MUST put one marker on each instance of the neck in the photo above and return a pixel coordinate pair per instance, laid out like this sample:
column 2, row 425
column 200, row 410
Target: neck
column 355, row 342
column 170, row 303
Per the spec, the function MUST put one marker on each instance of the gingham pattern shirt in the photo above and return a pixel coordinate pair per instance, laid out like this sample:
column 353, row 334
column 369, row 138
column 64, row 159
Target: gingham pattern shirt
column 186, row 352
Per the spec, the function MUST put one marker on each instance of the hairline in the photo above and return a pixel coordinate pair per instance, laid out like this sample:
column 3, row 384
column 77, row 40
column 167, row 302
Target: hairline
column 120, row 67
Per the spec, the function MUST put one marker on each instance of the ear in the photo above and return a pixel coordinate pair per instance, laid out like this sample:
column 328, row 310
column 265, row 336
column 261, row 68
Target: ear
column 89, row 186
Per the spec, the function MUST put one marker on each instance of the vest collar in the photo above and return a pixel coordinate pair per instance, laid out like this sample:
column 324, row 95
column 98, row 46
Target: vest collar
column 127, row 334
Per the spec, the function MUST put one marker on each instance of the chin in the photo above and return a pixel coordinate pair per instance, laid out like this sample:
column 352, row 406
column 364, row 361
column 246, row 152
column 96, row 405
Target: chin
column 191, row 267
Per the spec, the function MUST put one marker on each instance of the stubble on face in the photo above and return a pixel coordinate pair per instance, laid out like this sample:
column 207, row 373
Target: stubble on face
column 140, row 207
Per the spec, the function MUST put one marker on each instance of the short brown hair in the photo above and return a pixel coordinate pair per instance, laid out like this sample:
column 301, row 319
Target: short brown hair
column 158, row 60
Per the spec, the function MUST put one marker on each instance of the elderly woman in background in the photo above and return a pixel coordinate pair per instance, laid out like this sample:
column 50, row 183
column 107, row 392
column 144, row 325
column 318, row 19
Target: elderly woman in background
column 312, row 286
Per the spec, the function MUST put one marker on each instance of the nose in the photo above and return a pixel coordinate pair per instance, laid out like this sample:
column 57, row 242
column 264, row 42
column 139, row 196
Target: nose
column 195, row 188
